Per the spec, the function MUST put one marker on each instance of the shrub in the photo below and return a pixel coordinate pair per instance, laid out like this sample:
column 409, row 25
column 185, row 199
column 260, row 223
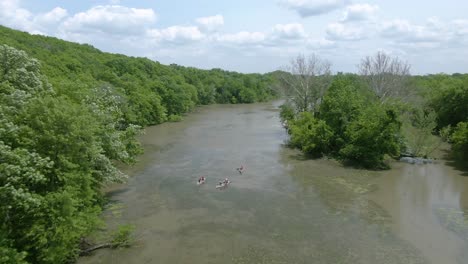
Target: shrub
column 311, row 135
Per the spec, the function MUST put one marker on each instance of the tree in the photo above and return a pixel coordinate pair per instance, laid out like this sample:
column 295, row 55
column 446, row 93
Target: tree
column 386, row 76
column 55, row 155
column 460, row 140
column 450, row 102
column 286, row 113
column 305, row 81
column 418, row 128
column 343, row 103
column 151, row 91
column 351, row 125
column 372, row 135
column 311, row 135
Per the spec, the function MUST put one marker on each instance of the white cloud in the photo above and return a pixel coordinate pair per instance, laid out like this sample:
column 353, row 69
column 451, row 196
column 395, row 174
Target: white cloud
column 243, row 37
column 460, row 27
column 12, row 15
column 53, row 17
column 289, row 31
column 433, row 34
column 111, row 19
column 307, row 8
column 210, row 23
column 358, row 12
column 283, row 36
column 321, row 43
column 339, row 31
column 175, row 34
column 435, row 23
column 279, row 35
column 404, row 31
column 9, row 4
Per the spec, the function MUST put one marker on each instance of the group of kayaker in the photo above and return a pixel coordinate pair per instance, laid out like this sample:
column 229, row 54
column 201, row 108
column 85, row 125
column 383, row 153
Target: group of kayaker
column 222, row 184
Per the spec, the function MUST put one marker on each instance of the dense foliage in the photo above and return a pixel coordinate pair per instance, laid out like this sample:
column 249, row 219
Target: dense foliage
column 311, row 135
column 448, row 96
column 53, row 158
column 66, row 117
column 149, row 92
column 352, row 124
column 460, row 140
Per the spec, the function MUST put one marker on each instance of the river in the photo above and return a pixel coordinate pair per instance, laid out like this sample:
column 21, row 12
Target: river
column 283, row 208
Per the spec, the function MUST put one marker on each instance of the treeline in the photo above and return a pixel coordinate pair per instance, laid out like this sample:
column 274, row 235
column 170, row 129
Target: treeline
column 151, row 93
column 68, row 112
column 383, row 111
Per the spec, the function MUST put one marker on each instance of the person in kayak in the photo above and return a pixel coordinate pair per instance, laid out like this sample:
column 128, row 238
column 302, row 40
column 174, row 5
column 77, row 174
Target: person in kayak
column 224, row 182
column 201, row 180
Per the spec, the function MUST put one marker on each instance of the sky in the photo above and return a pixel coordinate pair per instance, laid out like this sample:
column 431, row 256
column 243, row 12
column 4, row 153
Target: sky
column 257, row 35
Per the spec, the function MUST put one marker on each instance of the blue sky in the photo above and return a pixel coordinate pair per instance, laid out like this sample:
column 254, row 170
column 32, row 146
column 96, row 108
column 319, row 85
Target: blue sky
column 257, row 35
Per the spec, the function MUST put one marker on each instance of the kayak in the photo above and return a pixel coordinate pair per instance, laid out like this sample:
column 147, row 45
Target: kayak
column 201, row 182
column 222, row 185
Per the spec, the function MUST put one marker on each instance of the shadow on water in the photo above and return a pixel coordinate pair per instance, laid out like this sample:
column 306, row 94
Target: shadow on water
column 347, row 164
column 351, row 164
column 456, row 161
column 299, row 157
column 112, row 194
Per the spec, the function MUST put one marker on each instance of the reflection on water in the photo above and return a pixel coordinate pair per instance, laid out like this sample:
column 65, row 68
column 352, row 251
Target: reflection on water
column 283, row 209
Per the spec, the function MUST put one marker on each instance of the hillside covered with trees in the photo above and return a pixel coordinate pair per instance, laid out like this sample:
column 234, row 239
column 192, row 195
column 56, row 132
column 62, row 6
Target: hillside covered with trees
column 150, row 92
column 68, row 112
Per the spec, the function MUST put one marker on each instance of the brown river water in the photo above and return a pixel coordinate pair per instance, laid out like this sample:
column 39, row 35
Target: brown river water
column 283, row 208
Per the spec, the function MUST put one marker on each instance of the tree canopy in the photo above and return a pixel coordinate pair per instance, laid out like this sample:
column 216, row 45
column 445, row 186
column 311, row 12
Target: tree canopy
column 149, row 92
column 351, row 125
column 381, row 112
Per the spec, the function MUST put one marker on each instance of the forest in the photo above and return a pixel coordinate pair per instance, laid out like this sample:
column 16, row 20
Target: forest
column 69, row 113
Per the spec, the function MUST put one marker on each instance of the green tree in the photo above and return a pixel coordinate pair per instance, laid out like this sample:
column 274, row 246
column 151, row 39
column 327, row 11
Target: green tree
column 311, row 135
column 287, row 112
column 151, row 91
column 372, row 135
column 55, row 155
column 247, row 95
column 343, row 103
column 459, row 139
column 450, row 102
column 417, row 128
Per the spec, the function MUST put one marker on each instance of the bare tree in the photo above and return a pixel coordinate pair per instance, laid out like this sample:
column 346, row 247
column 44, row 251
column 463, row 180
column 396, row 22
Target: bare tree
column 385, row 75
column 305, row 81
